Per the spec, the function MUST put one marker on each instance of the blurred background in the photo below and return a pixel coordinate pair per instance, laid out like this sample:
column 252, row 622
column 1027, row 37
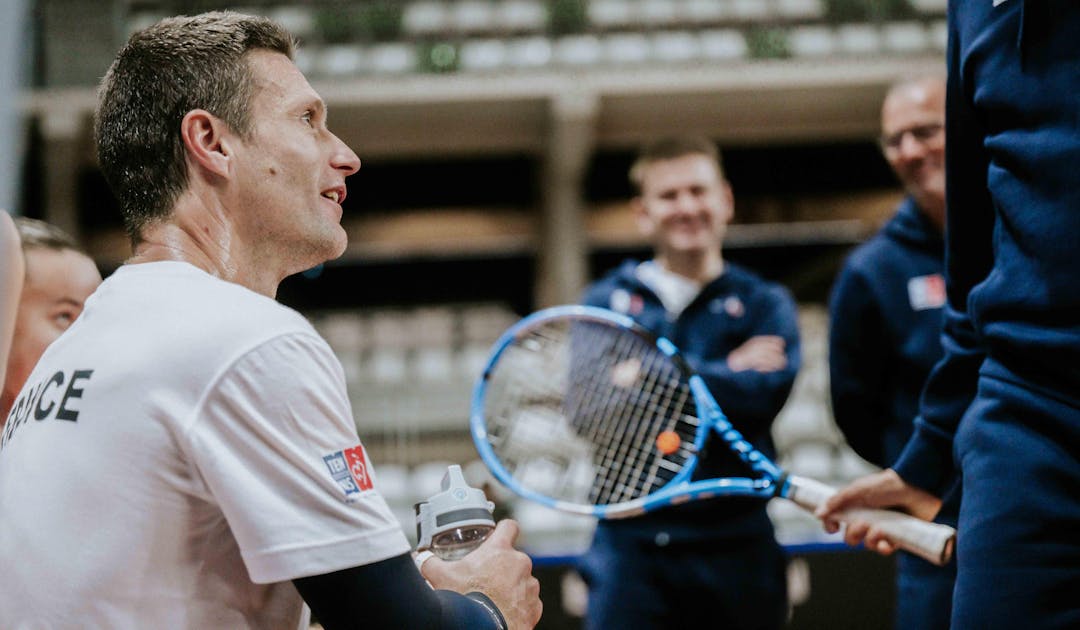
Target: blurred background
column 495, row 137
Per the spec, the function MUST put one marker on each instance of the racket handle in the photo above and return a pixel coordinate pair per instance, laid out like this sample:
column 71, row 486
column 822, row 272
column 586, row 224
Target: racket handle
column 932, row 542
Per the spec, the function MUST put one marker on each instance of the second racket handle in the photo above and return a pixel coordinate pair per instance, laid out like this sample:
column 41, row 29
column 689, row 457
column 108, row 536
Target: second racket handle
column 932, row 542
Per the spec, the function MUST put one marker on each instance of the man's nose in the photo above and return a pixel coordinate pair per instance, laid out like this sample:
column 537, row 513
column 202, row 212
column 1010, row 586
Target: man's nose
column 686, row 202
column 343, row 158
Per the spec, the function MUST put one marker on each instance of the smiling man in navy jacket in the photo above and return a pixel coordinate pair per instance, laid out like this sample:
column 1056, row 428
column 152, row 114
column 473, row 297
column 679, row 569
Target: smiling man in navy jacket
column 886, row 316
column 1004, row 403
column 707, row 563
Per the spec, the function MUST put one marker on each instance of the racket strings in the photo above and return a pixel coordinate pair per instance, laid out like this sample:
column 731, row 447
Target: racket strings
column 594, row 398
column 614, row 374
column 633, row 464
column 619, row 459
column 526, row 424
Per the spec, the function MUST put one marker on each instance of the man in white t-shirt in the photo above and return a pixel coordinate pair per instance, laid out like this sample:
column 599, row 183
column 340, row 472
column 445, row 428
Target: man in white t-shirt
column 184, row 456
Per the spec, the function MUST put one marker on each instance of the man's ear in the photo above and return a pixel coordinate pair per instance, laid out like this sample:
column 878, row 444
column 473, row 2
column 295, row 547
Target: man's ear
column 729, row 201
column 207, row 141
column 645, row 223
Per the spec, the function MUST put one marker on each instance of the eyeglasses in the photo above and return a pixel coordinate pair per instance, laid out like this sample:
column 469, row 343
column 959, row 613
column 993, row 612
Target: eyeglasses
column 923, row 134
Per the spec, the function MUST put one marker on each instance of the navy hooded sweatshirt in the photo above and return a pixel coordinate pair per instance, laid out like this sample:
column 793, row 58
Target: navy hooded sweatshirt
column 885, row 333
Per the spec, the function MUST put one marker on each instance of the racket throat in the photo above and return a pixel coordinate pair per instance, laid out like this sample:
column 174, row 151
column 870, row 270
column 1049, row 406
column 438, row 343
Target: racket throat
column 781, row 484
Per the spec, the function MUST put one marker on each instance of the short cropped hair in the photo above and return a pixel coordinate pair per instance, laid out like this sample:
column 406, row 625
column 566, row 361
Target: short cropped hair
column 671, row 148
column 163, row 72
column 908, row 80
column 35, row 234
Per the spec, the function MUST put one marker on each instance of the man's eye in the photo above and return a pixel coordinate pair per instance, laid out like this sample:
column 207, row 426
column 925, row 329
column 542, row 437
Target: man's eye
column 307, row 117
column 63, row 320
column 926, row 132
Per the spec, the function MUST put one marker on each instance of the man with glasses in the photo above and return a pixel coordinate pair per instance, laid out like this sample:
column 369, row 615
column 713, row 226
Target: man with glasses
column 886, row 321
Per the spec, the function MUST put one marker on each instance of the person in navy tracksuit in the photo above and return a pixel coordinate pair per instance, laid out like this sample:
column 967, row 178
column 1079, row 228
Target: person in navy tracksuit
column 1004, row 403
column 715, row 562
column 886, row 319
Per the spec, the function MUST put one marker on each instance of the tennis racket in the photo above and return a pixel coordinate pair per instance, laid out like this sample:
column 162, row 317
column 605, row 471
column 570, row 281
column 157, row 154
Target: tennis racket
column 583, row 410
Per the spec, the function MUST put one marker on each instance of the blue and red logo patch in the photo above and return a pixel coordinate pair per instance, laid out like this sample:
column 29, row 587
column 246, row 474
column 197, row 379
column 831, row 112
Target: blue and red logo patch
column 349, row 468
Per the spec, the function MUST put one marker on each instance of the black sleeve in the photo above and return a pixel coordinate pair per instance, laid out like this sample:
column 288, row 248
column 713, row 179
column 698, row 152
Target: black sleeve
column 391, row 594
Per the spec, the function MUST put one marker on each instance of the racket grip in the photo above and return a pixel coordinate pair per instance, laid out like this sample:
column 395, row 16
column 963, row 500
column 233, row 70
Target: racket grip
column 932, row 542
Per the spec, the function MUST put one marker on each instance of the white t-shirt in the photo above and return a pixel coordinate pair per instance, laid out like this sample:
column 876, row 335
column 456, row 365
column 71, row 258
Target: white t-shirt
column 675, row 292
column 176, row 458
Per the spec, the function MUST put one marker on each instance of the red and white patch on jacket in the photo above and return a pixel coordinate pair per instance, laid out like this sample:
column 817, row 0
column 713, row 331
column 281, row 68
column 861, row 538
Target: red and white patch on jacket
column 926, row 292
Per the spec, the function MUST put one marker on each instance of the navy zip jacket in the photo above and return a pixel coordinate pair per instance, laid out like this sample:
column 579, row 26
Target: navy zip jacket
column 884, row 338
column 728, row 311
column 1013, row 235
column 885, row 333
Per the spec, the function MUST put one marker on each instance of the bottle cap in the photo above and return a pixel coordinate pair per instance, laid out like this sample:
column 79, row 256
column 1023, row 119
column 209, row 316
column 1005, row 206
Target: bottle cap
column 455, row 521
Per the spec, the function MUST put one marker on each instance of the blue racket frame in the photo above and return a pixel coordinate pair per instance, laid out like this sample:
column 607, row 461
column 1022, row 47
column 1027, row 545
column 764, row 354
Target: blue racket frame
column 772, row 482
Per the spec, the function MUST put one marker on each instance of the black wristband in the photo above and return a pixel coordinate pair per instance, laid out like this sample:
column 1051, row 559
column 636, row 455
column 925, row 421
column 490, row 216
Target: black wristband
column 493, row 610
